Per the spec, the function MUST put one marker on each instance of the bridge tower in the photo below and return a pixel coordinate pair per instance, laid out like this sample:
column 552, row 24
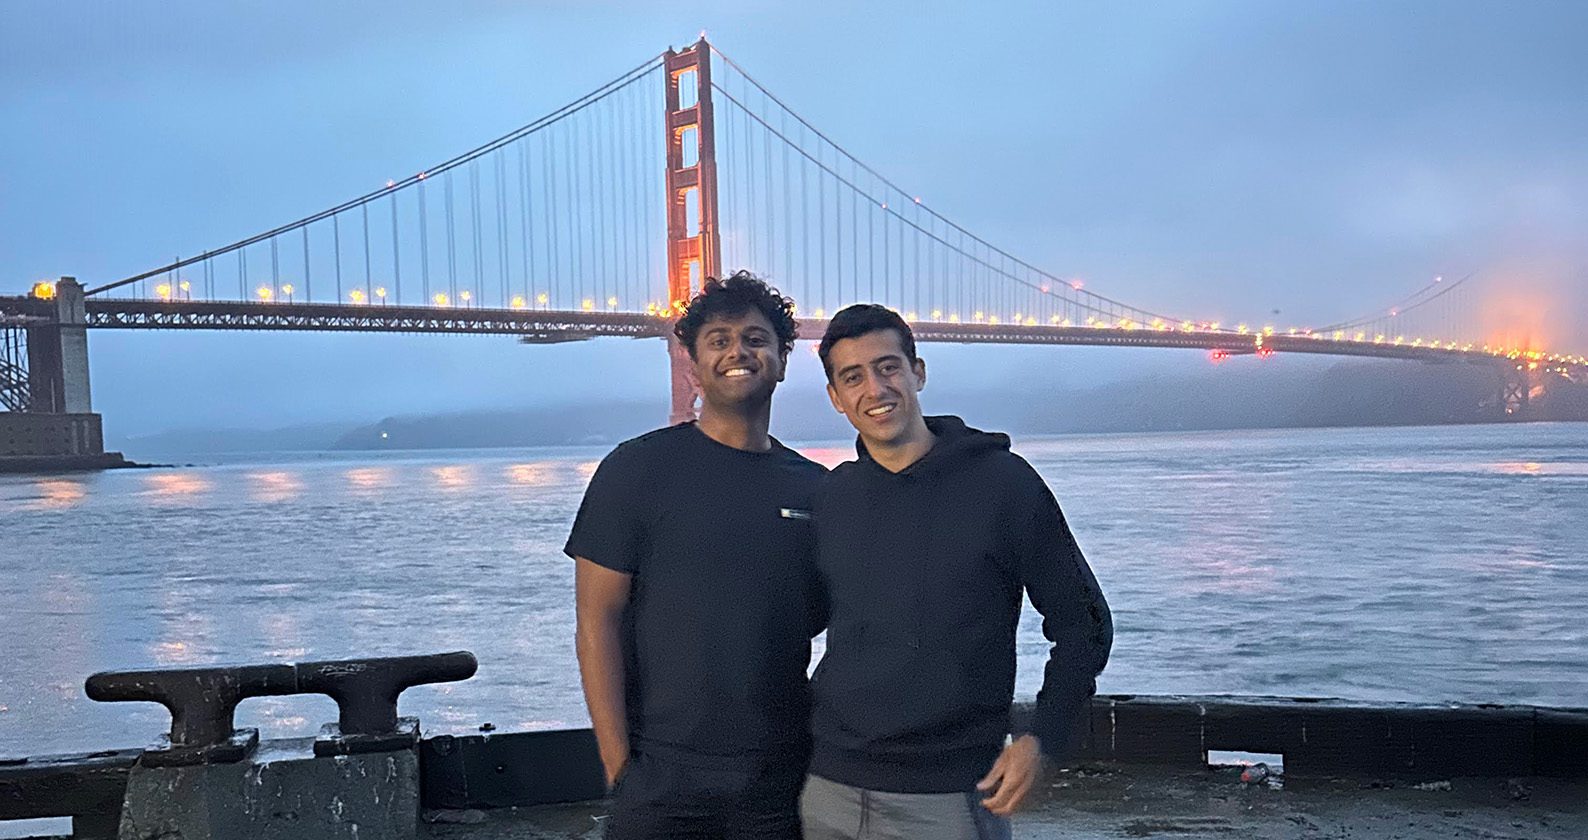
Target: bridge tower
column 58, row 356
column 51, row 413
column 694, row 249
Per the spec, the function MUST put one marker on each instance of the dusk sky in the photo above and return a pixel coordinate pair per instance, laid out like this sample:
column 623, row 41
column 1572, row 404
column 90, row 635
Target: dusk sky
column 1220, row 160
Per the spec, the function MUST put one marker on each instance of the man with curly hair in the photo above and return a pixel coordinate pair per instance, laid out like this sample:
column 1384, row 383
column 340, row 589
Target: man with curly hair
column 697, row 595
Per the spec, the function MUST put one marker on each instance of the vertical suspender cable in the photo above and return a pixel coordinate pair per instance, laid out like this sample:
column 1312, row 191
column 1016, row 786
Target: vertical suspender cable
column 368, row 289
column 396, row 259
column 598, row 210
column 452, row 238
column 525, row 249
column 336, row 233
column 475, row 235
column 577, row 191
column 748, row 226
column 308, row 290
column 424, row 247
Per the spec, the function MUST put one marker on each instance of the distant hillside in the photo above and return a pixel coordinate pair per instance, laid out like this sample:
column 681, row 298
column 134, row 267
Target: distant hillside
column 1347, row 394
column 1244, row 394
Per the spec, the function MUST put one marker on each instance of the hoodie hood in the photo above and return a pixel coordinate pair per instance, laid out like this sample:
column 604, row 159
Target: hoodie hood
column 956, row 444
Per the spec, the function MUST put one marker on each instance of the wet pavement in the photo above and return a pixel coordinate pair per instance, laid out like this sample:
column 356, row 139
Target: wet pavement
column 1118, row 801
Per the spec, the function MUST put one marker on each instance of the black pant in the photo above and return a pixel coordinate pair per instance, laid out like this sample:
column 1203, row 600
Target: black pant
column 660, row 797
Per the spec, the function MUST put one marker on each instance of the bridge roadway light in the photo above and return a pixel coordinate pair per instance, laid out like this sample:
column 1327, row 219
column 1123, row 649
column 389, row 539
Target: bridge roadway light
column 44, row 290
column 380, row 292
column 265, row 293
column 286, row 289
column 465, row 296
column 517, row 302
column 612, row 302
column 187, row 289
column 440, row 299
column 163, row 291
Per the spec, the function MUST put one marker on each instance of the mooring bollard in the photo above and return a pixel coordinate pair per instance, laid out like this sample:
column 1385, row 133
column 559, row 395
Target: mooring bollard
column 209, row 779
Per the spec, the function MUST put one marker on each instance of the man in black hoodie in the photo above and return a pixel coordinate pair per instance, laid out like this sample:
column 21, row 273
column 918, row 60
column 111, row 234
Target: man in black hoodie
column 927, row 545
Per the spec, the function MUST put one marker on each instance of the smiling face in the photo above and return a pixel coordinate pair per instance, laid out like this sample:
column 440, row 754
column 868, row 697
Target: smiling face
column 875, row 384
column 737, row 360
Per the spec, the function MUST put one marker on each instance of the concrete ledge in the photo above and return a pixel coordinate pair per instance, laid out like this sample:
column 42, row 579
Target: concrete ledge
column 513, row 769
column 88, row 788
column 1322, row 738
column 62, row 463
column 1319, row 738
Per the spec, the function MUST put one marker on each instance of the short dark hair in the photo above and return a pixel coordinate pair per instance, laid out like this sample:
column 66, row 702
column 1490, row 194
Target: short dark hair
column 858, row 320
column 732, row 296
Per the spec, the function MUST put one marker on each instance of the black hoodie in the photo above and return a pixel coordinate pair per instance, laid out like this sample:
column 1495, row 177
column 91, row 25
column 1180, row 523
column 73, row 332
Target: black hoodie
column 925, row 569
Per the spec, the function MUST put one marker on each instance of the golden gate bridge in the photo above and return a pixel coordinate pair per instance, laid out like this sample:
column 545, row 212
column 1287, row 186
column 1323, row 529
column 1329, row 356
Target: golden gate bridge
column 602, row 217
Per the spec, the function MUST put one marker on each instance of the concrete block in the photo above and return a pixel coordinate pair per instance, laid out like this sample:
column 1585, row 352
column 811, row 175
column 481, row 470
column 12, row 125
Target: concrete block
column 284, row 792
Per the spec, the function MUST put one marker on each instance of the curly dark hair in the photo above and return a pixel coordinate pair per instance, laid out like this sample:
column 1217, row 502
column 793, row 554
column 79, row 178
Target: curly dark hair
column 733, row 296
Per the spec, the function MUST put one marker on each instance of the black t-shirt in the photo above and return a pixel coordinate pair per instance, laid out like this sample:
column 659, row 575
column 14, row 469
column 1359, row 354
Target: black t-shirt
column 725, row 595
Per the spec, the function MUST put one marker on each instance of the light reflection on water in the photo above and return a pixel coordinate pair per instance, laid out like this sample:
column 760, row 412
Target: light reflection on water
column 169, row 485
column 55, row 494
column 275, row 486
column 1403, row 564
column 453, row 477
column 368, row 478
column 530, row 475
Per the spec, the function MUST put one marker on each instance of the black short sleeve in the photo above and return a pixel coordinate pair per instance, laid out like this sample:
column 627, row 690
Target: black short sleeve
column 610, row 529
column 717, row 631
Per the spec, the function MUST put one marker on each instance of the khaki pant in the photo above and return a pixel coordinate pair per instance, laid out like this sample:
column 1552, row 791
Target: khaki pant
column 833, row 811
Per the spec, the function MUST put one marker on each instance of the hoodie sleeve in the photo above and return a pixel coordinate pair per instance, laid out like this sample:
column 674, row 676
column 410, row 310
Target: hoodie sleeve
column 1075, row 618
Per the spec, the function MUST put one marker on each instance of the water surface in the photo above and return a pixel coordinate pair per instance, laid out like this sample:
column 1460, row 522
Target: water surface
column 1429, row 564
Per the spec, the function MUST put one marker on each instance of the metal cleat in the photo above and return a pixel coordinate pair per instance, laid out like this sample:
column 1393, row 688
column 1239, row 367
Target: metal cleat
column 202, row 702
column 360, row 777
column 366, row 690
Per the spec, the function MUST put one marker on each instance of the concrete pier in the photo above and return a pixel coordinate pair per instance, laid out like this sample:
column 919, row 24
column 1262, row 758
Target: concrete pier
column 59, row 430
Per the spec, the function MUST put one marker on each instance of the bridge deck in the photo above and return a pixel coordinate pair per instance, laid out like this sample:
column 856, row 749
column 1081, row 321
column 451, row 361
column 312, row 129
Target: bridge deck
column 547, row 326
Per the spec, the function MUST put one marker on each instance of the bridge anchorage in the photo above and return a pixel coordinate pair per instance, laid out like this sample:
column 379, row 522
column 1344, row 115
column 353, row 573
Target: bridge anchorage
column 581, row 225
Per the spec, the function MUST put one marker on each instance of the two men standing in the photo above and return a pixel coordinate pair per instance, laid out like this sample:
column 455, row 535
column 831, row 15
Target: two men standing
column 708, row 554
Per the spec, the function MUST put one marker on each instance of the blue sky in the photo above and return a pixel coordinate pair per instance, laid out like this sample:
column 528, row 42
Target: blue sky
column 1224, row 159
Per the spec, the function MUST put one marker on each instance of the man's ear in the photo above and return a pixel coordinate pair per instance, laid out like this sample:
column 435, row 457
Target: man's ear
column 920, row 373
column 784, row 371
column 832, row 394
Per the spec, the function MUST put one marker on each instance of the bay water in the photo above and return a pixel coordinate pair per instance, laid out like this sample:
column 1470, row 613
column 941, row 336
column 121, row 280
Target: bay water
column 1443, row 564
